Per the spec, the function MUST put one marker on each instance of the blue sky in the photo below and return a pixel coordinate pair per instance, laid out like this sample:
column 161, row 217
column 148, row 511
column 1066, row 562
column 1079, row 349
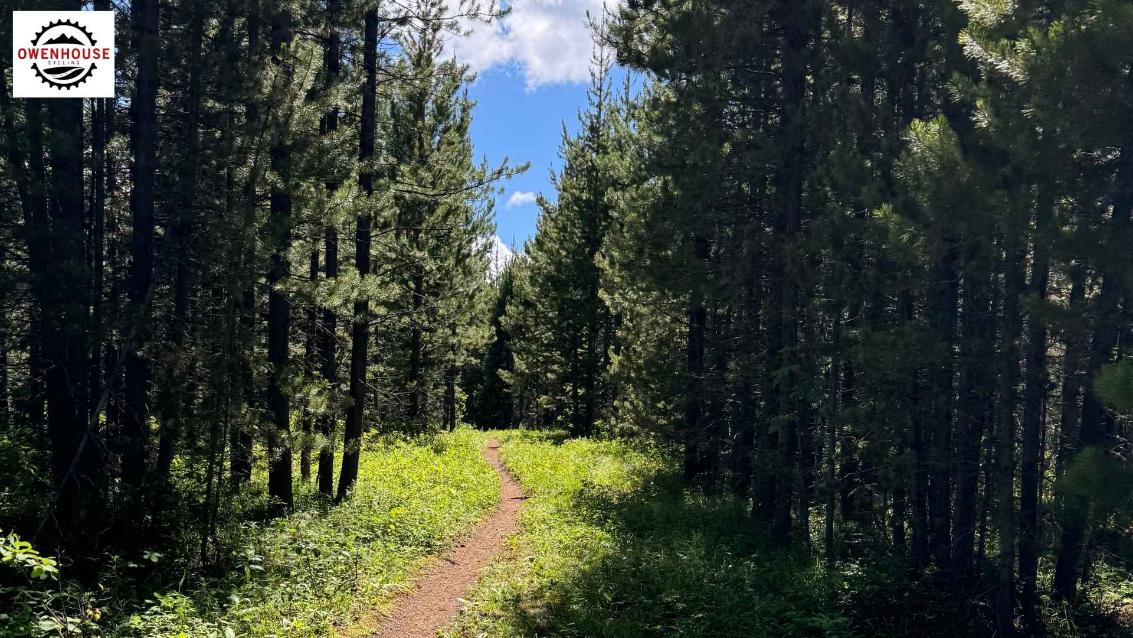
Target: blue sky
column 533, row 71
column 523, row 125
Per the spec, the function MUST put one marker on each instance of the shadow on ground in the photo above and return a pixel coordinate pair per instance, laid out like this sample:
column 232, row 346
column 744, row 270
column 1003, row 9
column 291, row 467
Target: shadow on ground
column 637, row 556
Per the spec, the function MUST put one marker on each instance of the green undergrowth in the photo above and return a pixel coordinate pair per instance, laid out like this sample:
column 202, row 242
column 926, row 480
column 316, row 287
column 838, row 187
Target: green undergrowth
column 309, row 574
column 610, row 546
column 318, row 570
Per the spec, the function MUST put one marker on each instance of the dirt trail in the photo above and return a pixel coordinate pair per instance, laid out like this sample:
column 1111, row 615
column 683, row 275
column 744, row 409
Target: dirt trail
column 436, row 599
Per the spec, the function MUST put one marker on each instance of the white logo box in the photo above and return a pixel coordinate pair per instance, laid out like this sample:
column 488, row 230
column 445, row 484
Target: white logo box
column 62, row 54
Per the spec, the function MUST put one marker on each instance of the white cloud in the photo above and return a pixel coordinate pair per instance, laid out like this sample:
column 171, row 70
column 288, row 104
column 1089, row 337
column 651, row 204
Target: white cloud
column 549, row 40
column 520, row 198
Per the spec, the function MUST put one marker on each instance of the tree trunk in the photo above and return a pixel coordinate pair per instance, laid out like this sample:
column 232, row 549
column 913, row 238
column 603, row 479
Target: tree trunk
column 99, row 136
column 798, row 20
column 1034, row 400
column 1070, row 415
column 694, row 358
column 36, row 222
column 144, row 134
column 360, row 331
column 450, row 384
column 416, row 398
column 30, row 185
column 942, row 309
column 327, row 343
column 1004, row 487
column 311, row 329
column 76, row 458
column 279, row 305
column 976, row 400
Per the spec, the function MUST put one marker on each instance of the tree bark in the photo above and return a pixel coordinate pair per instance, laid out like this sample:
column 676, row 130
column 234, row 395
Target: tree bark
column 279, row 305
column 976, row 399
column 1070, row 393
column 360, row 331
column 942, row 309
column 311, row 329
column 798, row 20
column 327, row 343
column 450, row 384
column 76, row 458
column 144, row 134
column 1034, row 400
column 1004, row 487
column 694, row 362
column 328, row 333
column 30, row 184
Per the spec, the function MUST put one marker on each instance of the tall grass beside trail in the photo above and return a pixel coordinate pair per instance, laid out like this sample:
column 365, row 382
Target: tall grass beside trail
column 611, row 546
column 318, row 570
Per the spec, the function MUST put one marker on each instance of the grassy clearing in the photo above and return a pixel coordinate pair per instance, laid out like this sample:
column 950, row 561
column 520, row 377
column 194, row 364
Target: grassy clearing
column 322, row 568
column 612, row 547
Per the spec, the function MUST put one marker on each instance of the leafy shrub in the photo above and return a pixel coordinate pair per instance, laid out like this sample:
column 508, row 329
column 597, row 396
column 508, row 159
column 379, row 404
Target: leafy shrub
column 32, row 600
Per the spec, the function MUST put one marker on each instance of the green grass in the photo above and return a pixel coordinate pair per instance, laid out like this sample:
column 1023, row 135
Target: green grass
column 320, row 569
column 611, row 546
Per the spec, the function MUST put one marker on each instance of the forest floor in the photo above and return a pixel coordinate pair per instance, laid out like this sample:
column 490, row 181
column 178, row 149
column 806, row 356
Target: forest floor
column 320, row 570
column 441, row 589
column 538, row 536
column 610, row 545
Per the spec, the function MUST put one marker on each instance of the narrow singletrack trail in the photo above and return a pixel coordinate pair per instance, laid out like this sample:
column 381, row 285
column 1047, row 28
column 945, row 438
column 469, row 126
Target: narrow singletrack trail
column 436, row 599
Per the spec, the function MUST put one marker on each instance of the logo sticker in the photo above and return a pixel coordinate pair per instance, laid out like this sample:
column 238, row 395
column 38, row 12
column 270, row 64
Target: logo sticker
column 63, row 54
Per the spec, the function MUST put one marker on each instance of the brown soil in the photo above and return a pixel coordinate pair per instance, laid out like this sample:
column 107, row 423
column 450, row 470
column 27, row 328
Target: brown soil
column 436, row 600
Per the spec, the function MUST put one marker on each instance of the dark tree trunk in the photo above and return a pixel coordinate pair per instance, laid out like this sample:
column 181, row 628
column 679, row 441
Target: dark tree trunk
column 30, row 184
column 311, row 328
column 99, row 136
column 714, row 418
column 694, row 358
column 279, row 305
column 360, row 331
column 240, row 464
column 5, row 388
column 1071, row 391
column 450, row 385
column 1034, row 401
column 1011, row 330
column 942, row 310
column 241, row 434
column 328, row 341
column 36, row 228
column 743, row 428
column 849, row 470
column 144, row 134
column 76, row 458
column 976, row 399
column 798, row 20
column 416, row 395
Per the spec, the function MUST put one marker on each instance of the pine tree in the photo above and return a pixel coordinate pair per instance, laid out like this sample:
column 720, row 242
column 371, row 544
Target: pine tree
column 564, row 348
